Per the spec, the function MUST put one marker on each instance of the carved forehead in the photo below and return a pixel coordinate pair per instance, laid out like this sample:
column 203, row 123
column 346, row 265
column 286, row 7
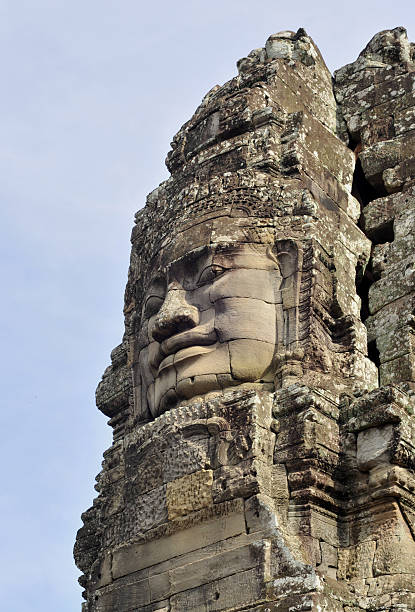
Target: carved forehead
column 222, row 233
column 245, row 255
column 230, row 255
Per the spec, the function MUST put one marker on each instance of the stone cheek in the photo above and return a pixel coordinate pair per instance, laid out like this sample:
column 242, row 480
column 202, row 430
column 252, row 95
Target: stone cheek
column 262, row 399
column 252, row 283
column 245, row 318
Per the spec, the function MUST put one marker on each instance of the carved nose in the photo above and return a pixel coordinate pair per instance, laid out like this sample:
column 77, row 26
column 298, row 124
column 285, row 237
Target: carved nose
column 175, row 316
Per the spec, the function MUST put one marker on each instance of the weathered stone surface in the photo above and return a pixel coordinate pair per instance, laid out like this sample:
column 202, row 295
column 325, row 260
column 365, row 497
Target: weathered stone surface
column 356, row 561
column 263, row 396
column 133, row 557
column 218, row 566
column 241, row 589
column 189, row 493
column 373, row 447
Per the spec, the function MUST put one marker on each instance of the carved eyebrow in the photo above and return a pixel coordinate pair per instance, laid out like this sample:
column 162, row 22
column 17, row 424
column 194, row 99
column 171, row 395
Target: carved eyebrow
column 190, row 259
column 192, row 256
column 227, row 249
column 228, row 255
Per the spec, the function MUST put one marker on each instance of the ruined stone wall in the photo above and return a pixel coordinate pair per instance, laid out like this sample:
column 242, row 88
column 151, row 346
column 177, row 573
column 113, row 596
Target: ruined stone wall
column 262, row 398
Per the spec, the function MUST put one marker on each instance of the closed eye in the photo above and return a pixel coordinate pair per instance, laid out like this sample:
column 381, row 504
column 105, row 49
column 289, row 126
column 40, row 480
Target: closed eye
column 210, row 273
column 152, row 305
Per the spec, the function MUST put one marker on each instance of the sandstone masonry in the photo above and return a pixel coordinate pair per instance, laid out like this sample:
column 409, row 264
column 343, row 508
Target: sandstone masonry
column 262, row 398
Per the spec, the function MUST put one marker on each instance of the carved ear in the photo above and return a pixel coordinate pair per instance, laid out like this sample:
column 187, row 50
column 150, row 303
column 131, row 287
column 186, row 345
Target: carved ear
column 270, row 253
column 288, row 264
column 287, row 255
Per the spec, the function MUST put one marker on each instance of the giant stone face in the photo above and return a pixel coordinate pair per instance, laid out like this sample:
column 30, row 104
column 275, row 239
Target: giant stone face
column 214, row 318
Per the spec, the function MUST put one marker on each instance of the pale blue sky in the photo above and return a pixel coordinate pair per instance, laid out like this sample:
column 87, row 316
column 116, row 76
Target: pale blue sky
column 92, row 94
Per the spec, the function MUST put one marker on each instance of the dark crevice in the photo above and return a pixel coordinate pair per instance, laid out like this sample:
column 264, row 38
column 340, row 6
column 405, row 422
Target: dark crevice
column 355, row 144
column 365, row 193
column 362, row 190
column 373, row 353
column 366, row 275
column 382, row 234
column 364, row 280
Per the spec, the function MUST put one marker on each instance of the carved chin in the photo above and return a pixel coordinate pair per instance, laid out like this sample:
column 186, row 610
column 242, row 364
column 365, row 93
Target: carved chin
column 167, row 402
column 193, row 386
column 195, row 372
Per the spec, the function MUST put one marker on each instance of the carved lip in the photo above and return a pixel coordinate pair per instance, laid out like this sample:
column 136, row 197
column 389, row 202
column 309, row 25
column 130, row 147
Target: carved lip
column 185, row 353
column 167, row 362
column 198, row 336
column 193, row 351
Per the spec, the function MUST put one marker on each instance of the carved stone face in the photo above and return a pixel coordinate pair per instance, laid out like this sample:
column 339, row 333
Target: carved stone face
column 210, row 321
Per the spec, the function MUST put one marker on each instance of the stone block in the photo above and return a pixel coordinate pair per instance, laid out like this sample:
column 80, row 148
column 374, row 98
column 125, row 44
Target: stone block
column 379, row 157
column 218, row 566
column 159, row 606
column 243, row 480
column 329, row 555
column 331, row 152
column 253, row 324
column 199, row 554
column 144, row 469
column 103, row 572
column 395, row 554
column 185, row 455
column 399, row 282
column 260, row 515
column 123, row 597
column 401, row 369
column 356, row 561
column 248, row 407
column 159, row 585
column 279, row 491
column 242, row 589
column 324, row 527
column 212, row 360
column 374, row 446
column 390, row 583
column 147, row 512
column 133, row 557
column 251, row 442
column 391, row 316
column 189, row 493
column 379, row 213
column 316, row 94
column 306, row 581
column 247, row 283
column 395, row 342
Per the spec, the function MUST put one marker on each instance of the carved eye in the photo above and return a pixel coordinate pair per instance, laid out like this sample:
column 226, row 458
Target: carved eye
column 152, row 306
column 210, row 273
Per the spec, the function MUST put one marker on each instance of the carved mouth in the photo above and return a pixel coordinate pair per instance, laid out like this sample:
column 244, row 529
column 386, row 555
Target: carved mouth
column 203, row 335
column 193, row 351
column 183, row 345
column 185, row 353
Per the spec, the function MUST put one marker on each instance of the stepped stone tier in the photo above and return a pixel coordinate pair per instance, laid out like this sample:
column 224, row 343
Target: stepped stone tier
column 263, row 396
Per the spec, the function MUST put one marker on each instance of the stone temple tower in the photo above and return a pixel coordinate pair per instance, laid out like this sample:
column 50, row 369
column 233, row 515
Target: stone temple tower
column 262, row 398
